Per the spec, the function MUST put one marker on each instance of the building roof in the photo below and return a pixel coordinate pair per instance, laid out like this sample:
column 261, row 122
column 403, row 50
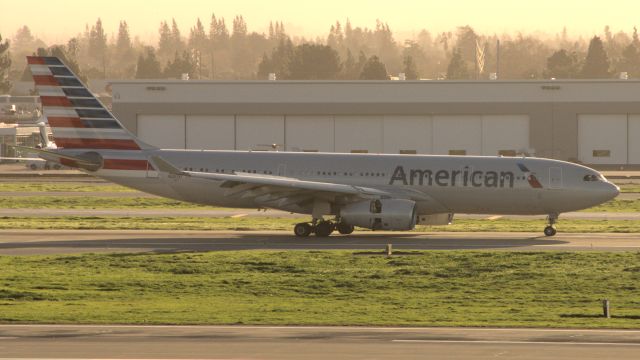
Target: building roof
column 373, row 92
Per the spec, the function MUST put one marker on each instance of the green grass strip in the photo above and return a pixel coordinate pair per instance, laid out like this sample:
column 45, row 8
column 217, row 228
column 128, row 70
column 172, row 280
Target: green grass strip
column 42, row 186
column 92, row 202
column 432, row 288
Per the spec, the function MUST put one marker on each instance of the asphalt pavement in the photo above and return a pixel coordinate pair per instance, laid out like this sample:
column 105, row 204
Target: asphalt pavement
column 31, row 242
column 283, row 343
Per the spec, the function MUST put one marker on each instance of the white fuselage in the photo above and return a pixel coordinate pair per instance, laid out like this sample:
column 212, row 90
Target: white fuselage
column 438, row 184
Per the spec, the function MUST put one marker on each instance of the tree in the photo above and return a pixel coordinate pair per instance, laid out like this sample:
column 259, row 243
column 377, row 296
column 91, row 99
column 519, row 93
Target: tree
column 98, row 46
column 240, row 59
column 374, row 69
column 165, row 43
column 219, row 54
column 199, row 43
column 352, row 68
column 335, row 39
column 630, row 61
column 562, row 65
column 314, row 62
column 124, row 48
column 5, row 65
column 148, row 66
column 457, row 69
column 22, row 45
column 418, row 57
column 176, row 37
column 124, row 55
column 278, row 62
column 524, row 57
column 410, row 71
column 466, row 43
column 181, row 64
column 386, row 47
column 596, row 65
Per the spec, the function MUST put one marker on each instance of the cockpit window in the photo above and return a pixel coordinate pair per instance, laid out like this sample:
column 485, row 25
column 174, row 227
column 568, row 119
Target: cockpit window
column 592, row 177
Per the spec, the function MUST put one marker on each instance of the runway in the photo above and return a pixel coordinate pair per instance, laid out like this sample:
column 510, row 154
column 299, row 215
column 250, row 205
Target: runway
column 31, row 242
column 258, row 342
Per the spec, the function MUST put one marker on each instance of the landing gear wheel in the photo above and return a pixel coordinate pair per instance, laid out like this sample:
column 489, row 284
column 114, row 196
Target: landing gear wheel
column 324, row 228
column 344, row 229
column 302, row 229
column 550, row 230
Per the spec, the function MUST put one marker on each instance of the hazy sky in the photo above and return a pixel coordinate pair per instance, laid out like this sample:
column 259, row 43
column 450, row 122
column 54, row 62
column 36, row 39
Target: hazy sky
column 56, row 21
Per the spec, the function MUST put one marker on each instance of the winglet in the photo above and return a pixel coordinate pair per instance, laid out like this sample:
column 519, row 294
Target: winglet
column 165, row 166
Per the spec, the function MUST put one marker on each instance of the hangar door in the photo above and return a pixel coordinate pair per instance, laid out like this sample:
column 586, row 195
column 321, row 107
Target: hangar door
column 310, row 133
column 407, row 134
column 506, row 135
column 163, row 131
column 254, row 132
column 457, row 135
column 633, row 137
column 355, row 134
column 602, row 139
column 206, row 132
column 489, row 135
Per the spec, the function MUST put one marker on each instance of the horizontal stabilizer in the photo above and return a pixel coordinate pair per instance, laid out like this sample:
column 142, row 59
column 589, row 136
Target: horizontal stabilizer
column 91, row 162
column 21, row 159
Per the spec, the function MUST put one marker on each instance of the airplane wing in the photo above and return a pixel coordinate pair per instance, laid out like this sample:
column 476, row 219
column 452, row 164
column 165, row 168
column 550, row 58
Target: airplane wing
column 275, row 190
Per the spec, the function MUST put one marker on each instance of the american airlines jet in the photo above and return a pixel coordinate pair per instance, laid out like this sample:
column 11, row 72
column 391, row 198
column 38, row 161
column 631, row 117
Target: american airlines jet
column 338, row 191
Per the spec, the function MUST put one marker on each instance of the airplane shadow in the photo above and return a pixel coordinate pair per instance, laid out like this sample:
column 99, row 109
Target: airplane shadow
column 240, row 241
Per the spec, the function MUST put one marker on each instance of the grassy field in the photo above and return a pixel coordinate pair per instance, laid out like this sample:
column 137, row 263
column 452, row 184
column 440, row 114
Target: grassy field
column 93, row 202
column 62, row 186
column 546, row 289
column 628, row 187
column 286, row 224
column 616, row 205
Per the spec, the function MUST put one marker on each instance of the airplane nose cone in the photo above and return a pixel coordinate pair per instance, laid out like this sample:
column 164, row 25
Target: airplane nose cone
column 611, row 191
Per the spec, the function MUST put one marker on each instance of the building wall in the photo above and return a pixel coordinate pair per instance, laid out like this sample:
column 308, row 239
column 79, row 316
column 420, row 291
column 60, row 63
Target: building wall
column 541, row 117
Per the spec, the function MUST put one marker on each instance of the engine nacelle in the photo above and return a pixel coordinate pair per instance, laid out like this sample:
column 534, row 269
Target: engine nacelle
column 386, row 214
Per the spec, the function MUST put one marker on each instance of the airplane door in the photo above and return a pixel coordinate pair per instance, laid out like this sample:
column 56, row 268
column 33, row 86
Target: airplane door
column 555, row 178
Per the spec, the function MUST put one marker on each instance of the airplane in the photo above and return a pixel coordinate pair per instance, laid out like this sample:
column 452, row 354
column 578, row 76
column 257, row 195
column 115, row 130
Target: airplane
column 338, row 191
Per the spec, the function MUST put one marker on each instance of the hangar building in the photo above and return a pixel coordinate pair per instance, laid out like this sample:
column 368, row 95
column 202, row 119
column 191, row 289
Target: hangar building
column 593, row 122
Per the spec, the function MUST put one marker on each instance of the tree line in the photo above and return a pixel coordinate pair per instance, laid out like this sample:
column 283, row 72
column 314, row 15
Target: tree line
column 221, row 51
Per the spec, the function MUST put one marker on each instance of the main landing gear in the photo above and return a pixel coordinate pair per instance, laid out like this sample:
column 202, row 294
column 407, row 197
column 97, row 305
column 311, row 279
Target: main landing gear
column 322, row 228
column 550, row 230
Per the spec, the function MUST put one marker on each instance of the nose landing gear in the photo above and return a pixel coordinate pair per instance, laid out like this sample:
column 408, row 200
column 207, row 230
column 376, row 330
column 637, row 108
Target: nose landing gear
column 550, row 230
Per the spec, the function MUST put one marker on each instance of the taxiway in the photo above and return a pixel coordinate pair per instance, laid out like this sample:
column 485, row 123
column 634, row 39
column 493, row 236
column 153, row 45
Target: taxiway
column 30, row 242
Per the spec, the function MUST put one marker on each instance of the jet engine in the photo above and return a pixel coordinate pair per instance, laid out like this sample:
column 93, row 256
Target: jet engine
column 386, row 214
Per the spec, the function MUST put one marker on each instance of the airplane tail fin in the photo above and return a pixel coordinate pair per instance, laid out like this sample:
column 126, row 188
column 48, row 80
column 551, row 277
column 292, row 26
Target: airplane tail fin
column 77, row 118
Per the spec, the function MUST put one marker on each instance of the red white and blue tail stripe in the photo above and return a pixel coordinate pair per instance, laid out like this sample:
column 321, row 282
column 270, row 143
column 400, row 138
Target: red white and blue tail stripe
column 77, row 119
